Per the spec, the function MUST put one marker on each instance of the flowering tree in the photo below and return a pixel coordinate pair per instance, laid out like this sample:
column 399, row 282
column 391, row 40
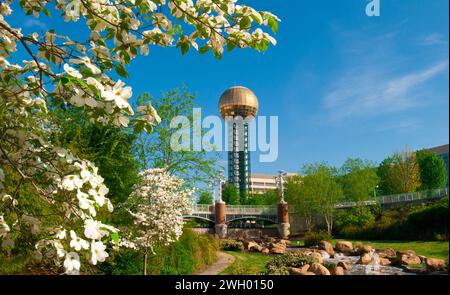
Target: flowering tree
column 75, row 73
column 157, row 206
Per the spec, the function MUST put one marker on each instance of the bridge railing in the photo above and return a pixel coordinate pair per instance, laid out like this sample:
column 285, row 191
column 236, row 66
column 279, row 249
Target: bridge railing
column 251, row 209
column 237, row 209
column 409, row 197
column 354, row 204
column 202, row 209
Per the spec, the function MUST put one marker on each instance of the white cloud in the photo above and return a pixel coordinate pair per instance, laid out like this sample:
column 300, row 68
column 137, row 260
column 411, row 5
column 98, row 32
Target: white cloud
column 373, row 90
column 433, row 39
column 400, row 125
column 34, row 23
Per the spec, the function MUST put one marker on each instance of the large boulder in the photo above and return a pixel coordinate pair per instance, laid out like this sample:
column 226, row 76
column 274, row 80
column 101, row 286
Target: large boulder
column 317, row 257
column 257, row 248
column 319, row 269
column 406, row 252
column 265, row 251
column 271, row 239
column 277, row 248
column 387, row 252
column 299, row 271
column 344, row 265
column 365, row 249
column 337, row 271
column 364, row 259
column 344, row 247
column 294, row 271
column 304, row 268
column 423, row 259
column 384, row 261
column 249, row 244
column 326, row 246
column 434, row 264
column 408, row 259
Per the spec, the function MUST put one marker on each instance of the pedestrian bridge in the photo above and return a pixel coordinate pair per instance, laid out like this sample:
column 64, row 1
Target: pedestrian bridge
column 234, row 213
column 422, row 196
column 270, row 213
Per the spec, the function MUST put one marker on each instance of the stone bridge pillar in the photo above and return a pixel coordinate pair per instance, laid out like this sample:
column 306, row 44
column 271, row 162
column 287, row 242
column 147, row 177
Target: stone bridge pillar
column 283, row 220
column 221, row 219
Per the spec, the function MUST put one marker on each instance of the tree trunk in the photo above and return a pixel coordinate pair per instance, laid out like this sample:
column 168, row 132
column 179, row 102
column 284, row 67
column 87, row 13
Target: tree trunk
column 145, row 263
column 329, row 222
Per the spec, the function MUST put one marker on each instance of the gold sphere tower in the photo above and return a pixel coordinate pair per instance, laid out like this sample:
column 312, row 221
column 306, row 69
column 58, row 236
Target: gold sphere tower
column 238, row 106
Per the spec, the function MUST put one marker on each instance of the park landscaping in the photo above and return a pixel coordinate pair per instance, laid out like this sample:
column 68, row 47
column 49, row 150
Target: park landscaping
column 91, row 184
column 354, row 257
column 426, row 248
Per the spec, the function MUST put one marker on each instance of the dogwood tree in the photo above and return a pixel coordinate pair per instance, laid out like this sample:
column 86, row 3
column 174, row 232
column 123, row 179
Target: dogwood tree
column 55, row 68
column 157, row 206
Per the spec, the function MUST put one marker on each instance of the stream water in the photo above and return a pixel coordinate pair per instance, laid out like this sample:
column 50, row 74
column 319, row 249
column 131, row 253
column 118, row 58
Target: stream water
column 373, row 268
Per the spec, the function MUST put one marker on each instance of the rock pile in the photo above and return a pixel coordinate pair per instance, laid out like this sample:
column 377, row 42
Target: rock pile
column 367, row 255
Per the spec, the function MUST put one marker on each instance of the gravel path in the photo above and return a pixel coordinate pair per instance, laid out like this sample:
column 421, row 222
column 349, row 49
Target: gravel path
column 223, row 261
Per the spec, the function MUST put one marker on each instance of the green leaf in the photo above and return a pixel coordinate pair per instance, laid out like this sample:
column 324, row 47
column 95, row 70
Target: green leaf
column 177, row 29
column 273, row 24
column 133, row 50
column 204, row 49
column 46, row 12
column 245, row 22
column 230, row 46
column 121, row 70
column 115, row 237
column 64, row 80
column 184, row 48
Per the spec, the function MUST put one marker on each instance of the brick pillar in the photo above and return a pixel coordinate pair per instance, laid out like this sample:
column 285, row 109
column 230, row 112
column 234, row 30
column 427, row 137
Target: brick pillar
column 220, row 213
column 221, row 219
column 283, row 220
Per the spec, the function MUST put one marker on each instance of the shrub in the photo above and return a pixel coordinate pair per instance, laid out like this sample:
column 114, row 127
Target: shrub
column 185, row 256
column 313, row 238
column 123, row 262
column 231, row 245
column 354, row 217
column 414, row 222
column 280, row 264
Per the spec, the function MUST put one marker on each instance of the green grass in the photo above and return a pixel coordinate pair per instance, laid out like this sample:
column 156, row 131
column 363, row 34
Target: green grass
column 431, row 249
column 247, row 263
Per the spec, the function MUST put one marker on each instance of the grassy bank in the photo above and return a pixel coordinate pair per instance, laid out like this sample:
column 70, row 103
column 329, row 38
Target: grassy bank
column 246, row 263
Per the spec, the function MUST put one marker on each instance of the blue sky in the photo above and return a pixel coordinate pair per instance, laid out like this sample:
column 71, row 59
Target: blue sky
column 343, row 84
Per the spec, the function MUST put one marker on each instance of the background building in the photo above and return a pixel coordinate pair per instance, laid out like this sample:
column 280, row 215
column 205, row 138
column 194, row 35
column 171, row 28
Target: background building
column 261, row 183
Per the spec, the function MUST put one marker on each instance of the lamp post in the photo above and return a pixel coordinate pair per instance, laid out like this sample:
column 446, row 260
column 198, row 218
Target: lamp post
column 213, row 190
column 282, row 210
column 375, row 191
column 281, row 175
column 220, row 213
column 221, row 181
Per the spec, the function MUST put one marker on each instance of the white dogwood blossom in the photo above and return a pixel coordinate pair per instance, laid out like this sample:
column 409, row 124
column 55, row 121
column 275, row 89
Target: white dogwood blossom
column 72, row 262
column 157, row 206
column 77, row 243
column 37, row 69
